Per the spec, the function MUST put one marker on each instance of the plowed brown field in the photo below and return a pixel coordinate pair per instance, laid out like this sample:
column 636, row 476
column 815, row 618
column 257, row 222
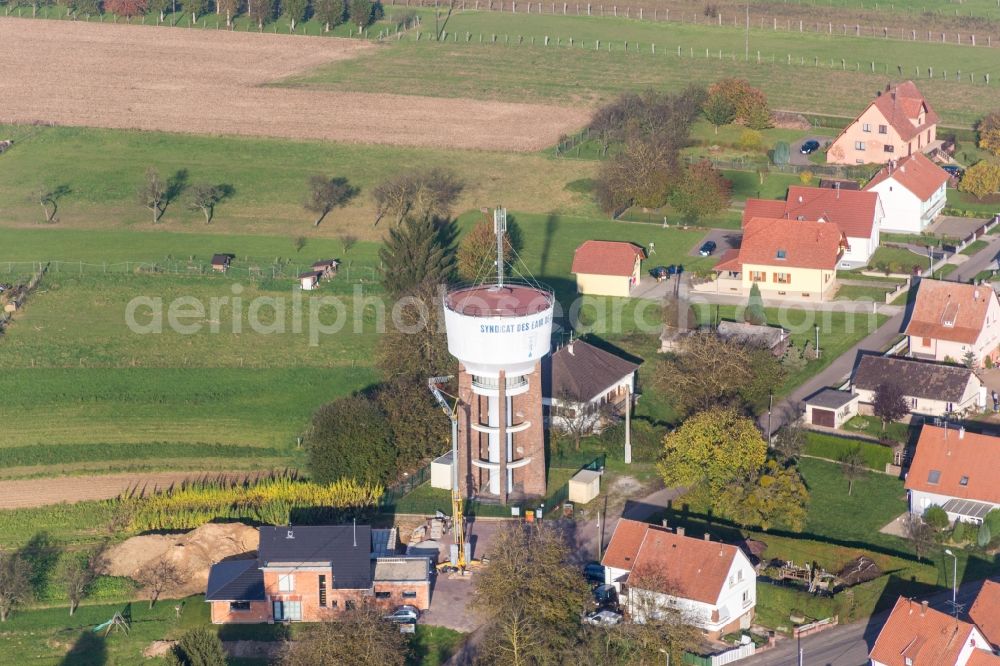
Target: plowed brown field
column 213, row 82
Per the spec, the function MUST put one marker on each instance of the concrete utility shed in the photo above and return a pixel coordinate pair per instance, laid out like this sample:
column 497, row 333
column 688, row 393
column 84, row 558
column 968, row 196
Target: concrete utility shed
column 584, row 486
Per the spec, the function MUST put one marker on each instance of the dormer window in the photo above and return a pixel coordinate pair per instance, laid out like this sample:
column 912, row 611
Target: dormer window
column 934, row 476
column 782, row 254
column 964, row 481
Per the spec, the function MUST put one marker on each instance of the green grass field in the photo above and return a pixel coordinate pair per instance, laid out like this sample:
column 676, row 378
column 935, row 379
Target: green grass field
column 581, row 74
column 104, row 168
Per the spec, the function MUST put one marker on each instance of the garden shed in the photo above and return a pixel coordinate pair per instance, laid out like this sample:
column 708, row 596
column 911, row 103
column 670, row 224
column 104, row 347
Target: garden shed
column 584, row 486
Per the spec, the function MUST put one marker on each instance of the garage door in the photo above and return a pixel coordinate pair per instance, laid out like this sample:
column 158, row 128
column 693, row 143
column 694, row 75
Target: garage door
column 823, row 417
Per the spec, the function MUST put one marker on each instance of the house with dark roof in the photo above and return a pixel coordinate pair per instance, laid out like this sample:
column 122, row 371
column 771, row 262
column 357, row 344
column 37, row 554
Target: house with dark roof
column 859, row 215
column 220, row 262
column 950, row 321
column 830, row 408
column 917, row 635
column 912, row 191
column 309, row 574
column 956, row 470
column 583, row 386
column 786, row 258
column 713, row 584
column 929, row 388
column 897, row 123
column 607, row 268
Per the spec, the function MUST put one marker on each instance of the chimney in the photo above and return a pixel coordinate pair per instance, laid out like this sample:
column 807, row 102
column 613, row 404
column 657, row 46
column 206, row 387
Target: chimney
column 923, row 608
column 836, row 186
column 569, row 348
column 289, row 534
column 679, row 531
column 664, row 523
column 961, row 432
column 708, row 537
column 800, row 198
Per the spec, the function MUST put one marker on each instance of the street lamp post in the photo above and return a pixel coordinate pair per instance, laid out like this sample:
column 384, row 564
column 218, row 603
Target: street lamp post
column 954, row 582
column 816, row 326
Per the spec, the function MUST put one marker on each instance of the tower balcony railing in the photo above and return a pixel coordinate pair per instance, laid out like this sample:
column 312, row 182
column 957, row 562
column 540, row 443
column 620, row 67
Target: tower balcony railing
column 493, row 383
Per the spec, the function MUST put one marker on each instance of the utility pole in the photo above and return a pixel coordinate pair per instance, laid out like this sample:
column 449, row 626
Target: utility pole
column 770, row 404
column 628, row 425
column 747, row 49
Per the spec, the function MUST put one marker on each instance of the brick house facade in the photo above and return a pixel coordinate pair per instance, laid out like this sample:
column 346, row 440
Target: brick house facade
column 310, row 574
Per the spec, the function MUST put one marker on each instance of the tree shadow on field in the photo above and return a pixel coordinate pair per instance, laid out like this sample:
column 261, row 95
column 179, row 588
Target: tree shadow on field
column 42, row 553
column 88, row 650
column 176, row 185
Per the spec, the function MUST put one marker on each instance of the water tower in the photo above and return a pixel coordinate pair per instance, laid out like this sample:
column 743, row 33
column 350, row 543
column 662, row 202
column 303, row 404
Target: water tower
column 499, row 330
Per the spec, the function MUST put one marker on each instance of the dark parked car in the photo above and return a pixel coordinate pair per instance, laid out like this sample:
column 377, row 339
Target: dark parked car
column 594, row 572
column 707, row 249
column 660, row 273
column 606, row 597
column 675, row 270
column 809, row 147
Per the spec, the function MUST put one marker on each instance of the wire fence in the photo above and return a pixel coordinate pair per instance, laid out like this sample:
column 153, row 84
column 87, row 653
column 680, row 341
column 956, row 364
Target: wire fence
column 252, row 268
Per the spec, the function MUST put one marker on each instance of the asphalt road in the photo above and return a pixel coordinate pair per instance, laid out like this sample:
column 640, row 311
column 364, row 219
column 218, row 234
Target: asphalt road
column 849, row 644
column 980, row 261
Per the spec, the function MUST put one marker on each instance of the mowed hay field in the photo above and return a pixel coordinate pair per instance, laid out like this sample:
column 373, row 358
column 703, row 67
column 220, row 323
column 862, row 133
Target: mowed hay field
column 104, row 168
column 211, row 82
column 560, row 73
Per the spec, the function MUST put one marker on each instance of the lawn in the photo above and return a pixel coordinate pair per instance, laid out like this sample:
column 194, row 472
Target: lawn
column 966, row 202
column 872, row 426
column 840, row 527
column 974, row 247
column 851, row 292
column 897, row 260
column 838, row 332
column 583, row 75
column 49, row 637
column 103, row 169
column 832, row 447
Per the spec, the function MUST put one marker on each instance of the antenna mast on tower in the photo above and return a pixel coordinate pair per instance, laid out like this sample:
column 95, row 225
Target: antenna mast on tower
column 499, row 228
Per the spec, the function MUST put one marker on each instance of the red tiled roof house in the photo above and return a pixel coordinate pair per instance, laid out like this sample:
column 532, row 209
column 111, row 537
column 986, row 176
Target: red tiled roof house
column 956, row 470
column 898, row 123
column 858, row 214
column 916, row 635
column 713, row 584
column 787, row 259
column 950, row 320
column 912, row 192
column 985, row 612
column 607, row 268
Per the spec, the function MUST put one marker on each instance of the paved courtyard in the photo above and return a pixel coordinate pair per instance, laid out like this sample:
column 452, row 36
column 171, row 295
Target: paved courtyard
column 955, row 227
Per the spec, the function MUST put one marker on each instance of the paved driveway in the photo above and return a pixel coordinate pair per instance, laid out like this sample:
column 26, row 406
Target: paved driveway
column 955, row 227
column 725, row 239
column 797, row 158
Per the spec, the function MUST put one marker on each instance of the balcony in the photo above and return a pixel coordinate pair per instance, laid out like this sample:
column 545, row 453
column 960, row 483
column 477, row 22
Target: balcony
column 493, row 383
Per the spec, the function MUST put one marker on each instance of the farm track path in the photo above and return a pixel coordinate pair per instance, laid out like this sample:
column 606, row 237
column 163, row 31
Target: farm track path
column 28, row 493
column 114, row 76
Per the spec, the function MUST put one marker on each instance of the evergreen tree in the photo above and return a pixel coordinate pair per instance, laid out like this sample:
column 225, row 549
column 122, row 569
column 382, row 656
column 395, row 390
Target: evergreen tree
column 984, row 536
column 755, row 307
column 420, row 251
column 199, row 647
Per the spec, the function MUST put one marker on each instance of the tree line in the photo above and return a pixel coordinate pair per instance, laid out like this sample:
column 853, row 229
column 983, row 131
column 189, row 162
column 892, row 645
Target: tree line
column 330, row 13
column 648, row 131
column 393, row 427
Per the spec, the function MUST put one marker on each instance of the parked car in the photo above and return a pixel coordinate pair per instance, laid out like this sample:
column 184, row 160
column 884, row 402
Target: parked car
column 953, row 170
column 659, row 273
column 707, row 249
column 404, row 615
column 603, row 618
column 606, row 597
column 675, row 270
column 594, row 572
column 809, row 147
